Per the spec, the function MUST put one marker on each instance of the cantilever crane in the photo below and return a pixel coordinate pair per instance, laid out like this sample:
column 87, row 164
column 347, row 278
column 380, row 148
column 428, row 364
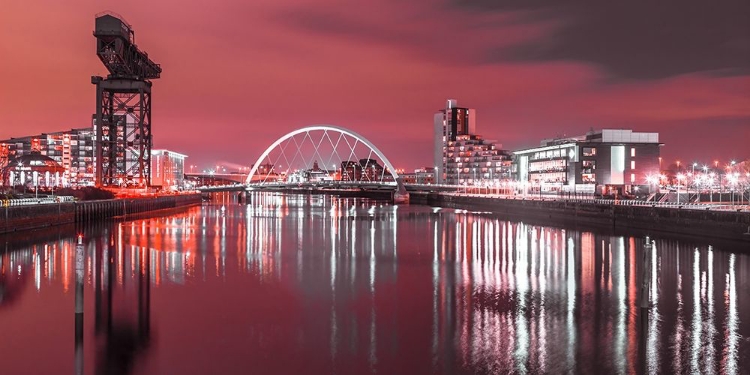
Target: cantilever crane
column 123, row 105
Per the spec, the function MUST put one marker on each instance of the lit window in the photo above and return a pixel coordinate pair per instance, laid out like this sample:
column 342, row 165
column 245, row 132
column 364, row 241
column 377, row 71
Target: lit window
column 632, row 152
column 632, row 164
column 632, row 178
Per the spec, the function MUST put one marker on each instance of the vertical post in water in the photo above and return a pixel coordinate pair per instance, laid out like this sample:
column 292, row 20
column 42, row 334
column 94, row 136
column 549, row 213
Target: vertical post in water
column 79, row 306
column 644, row 303
column 646, row 275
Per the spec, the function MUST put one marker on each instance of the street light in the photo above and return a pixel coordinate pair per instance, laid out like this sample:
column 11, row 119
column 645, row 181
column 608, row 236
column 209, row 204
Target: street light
column 651, row 182
column 693, row 177
column 732, row 180
column 35, row 175
column 680, row 177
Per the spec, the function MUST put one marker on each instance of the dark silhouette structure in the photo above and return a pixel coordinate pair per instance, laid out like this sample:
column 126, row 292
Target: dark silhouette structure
column 123, row 105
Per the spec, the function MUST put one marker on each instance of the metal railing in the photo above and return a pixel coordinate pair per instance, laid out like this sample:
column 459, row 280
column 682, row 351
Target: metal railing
column 35, row 201
column 618, row 202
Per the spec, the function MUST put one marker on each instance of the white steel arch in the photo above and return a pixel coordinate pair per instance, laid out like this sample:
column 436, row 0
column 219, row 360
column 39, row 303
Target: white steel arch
column 322, row 127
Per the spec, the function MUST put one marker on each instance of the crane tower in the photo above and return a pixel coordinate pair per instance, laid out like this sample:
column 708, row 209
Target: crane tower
column 123, row 105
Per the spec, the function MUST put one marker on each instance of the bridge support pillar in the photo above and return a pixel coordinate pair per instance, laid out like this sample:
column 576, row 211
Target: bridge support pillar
column 401, row 195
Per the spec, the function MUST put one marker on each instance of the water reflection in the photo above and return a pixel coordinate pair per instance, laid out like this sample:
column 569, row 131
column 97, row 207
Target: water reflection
column 317, row 284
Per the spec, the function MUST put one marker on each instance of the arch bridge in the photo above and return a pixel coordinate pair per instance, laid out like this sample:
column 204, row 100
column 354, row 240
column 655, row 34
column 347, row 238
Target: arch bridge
column 325, row 156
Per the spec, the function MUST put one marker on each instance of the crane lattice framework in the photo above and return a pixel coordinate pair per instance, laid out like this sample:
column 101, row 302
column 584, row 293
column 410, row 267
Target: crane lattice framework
column 351, row 156
column 123, row 105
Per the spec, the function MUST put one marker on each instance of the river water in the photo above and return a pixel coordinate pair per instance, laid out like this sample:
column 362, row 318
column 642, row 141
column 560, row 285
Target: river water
column 316, row 285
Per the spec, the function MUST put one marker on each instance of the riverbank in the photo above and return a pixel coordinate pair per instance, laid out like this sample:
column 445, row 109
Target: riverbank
column 20, row 218
column 730, row 225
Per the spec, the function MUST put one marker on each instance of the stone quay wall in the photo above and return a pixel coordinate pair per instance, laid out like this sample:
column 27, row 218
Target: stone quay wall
column 18, row 218
column 731, row 225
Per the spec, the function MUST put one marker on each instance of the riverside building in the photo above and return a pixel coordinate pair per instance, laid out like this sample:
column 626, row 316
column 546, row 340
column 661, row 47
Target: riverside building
column 460, row 155
column 606, row 162
column 167, row 169
column 73, row 150
column 421, row 176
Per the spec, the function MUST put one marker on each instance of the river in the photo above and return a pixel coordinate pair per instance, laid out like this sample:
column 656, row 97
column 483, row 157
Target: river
column 296, row 284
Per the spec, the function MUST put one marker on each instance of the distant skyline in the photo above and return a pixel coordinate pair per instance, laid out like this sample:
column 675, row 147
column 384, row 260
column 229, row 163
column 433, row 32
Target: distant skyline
column 238, row 75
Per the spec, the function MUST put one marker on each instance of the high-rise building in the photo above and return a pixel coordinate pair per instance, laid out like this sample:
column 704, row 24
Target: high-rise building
column 460, row 155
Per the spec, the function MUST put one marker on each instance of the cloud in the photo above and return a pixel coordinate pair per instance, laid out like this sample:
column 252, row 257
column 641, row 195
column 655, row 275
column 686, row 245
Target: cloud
column 629, row 40
column 419, row 28
column 636, row 39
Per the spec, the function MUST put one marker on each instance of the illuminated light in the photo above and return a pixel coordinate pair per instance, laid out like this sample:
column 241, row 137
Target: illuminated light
column 697, row 325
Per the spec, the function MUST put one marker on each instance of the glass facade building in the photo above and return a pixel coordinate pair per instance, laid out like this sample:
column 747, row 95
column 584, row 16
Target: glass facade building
column 610, row 161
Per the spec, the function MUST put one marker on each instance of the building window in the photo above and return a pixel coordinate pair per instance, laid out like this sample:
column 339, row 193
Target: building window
column 589, row 151
column 632, row 178
column 632, row 164
column 632, row 152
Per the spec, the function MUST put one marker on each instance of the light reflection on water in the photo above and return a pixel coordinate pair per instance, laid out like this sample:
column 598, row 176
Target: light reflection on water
column 316, row 284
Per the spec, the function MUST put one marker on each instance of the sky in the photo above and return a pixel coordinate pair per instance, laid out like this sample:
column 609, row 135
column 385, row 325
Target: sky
column 239, row 74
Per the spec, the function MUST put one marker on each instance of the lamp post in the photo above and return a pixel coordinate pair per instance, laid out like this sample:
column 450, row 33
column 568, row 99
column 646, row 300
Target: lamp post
column 650, row 181
column 35, row 176
column 705, row 178
column 711, row 188
column 694, row 186
column 680, row 177
column 491, row 181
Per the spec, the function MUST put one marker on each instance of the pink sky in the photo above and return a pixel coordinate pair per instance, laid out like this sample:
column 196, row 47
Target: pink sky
column 239, row 74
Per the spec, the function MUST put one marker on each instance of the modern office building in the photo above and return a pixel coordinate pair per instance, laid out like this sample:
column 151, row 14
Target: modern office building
column 72, row 149
column 167, row 169
column 460, row 155
column 610, row 161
